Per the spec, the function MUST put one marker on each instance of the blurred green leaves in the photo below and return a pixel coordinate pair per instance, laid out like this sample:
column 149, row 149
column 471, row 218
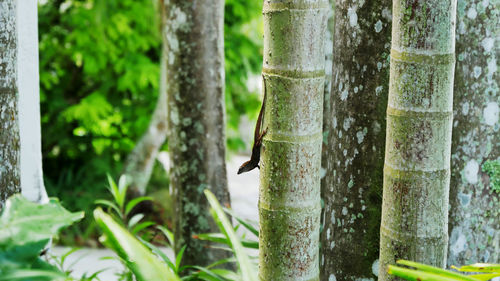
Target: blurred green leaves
column 25, row 229
column 99, row 74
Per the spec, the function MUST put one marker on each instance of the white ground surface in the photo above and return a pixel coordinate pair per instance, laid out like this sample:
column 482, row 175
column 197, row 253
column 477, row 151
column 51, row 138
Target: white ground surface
column 244, row 197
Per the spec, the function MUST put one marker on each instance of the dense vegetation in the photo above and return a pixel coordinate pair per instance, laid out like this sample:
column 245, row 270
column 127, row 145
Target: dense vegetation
column 99, row 72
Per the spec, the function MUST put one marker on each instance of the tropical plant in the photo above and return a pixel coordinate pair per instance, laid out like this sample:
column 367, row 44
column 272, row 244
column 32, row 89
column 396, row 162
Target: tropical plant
column 25, row 230
column 122, row 209
column 422, row 272
column 147, row 261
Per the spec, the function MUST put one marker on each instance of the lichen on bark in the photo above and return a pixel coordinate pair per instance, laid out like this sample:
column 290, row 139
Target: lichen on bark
column 418, row 137
column 354, row 155
column 289, row 201
column 9, row 96
column 196, row 125
column 475, row 208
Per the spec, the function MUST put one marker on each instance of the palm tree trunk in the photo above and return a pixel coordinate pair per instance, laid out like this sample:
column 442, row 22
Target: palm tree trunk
column 9, row 98
column 418, row 138
column 289, row 203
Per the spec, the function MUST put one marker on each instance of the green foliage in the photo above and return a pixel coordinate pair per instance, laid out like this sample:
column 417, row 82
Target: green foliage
column 99, row 74
column 424, row 272
column 148, row 262
column 122, row 209
column 492, row 168
column 248, row 271
column 139, row 259
column 243, row 32
column 25, row 229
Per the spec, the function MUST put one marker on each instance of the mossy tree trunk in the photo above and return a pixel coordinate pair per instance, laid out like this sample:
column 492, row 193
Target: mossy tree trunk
column 10, row 147
column 354, row 156
column 475, row 207
column 418, row 138
column 289, row 202
column 196, row 126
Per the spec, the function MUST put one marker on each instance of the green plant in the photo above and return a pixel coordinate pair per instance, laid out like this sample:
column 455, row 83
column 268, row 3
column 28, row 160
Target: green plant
column 145, row 260
column 424, row 272
column 122, row 209
column 25, row 230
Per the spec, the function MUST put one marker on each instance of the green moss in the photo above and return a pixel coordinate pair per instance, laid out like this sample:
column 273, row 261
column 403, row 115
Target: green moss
column 492, row 168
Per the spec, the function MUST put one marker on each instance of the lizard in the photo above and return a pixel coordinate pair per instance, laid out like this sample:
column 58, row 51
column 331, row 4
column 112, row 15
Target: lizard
column 257, row 142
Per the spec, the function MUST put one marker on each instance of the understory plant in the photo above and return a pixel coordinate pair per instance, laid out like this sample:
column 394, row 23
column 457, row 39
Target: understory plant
column 147, row 261
column 422, row 272
column 26, row 229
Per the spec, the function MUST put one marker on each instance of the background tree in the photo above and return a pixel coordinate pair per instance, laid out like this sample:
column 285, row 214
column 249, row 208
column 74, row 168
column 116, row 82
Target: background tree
column 354, row 156
column 475, row 209
column 196, row 127
column 289, row 201
column 32, row 185
column 9, row 99
column 419, row 121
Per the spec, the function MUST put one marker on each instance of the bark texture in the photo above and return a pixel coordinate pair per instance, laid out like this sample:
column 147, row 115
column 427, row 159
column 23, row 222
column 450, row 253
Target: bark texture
column 418, row 143
column 140, row 162
column 289, row 200
column 354, row 157
column 32, row 186
column 475, row 209
column 10, row 146
column 196, row 125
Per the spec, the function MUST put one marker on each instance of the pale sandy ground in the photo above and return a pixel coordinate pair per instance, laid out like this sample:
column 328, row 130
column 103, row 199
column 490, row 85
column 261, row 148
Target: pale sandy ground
column 244, row 197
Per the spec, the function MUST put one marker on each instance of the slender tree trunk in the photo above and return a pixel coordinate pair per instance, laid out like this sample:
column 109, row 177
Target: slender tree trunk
column 418, row 143
column 9, row 98
column 475, row 208
column 289, row 203
column 32, row 185
column 196, row 125
column 140, row 162
column 352, row 187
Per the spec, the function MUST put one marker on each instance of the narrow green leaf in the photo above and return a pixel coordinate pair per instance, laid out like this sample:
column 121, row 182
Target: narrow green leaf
column 139, row 259
column 160, row 253
column 134, row 220
column 247, row 225
column 109, row 204
column 220, row 238
column 122, row 190
column 32, row 273
column 479, row 267
column 178, row 259
column 141, row 226
column 435, row 270
column 484, row 277
column 248, row 271
column 113, row 188
column 168, row 234
column 132, row 203
column 414, row 275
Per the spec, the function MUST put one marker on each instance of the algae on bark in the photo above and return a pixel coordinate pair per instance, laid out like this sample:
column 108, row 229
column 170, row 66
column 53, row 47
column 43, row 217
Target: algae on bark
column 418, row 137
column 289, row 202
